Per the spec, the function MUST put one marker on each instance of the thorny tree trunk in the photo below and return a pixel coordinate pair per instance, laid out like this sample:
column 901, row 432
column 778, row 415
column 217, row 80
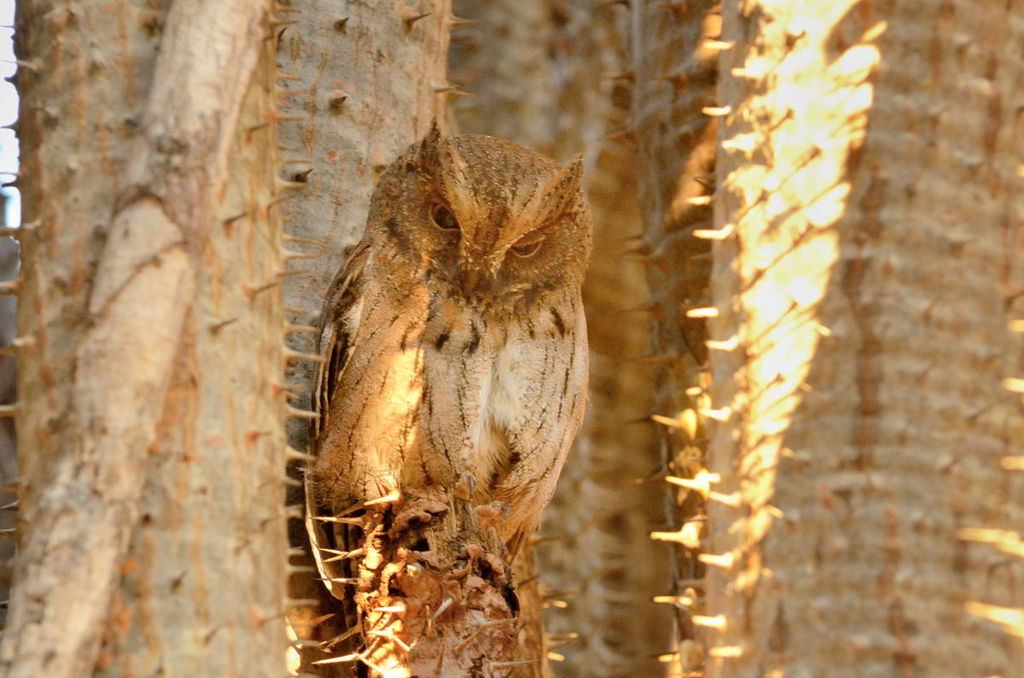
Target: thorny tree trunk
column 363, row 82
column 550, row 75
column 869, row 219
column 202, row 526
column 359, row 83
column 674, row 54
column 112, row 263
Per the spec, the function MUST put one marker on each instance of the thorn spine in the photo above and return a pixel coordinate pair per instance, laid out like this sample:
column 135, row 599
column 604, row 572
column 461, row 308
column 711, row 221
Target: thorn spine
column 292, row 453
column 714, row 233
column 702, row 312
column 251, row 292
column 292, row 354
column 717, row 622
column 716, row 111
column 724, row 561
column 410, row 20
column 217, row 327
column 300, row 414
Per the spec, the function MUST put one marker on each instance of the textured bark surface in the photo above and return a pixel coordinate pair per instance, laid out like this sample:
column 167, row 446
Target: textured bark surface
column 674, row 53
column 870, row 256
column 103, row 340
column 552, row 75
column 359, row 83
column 203, row 527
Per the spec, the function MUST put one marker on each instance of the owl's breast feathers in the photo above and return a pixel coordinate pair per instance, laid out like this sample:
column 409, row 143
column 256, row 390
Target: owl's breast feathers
column 420, row 388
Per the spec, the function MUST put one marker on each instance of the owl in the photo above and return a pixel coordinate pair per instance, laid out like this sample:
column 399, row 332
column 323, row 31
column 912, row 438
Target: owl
column 453, row 340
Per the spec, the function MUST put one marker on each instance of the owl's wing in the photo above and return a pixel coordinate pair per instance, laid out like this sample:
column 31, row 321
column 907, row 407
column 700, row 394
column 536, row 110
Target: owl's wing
column 339, row 324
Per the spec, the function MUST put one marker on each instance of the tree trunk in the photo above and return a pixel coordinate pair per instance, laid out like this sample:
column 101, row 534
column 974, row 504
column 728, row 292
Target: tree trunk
column 361, row 83
column 9, row 252
column 202, row 527
column 674, row 53
column 866, row 257
column 552, row 75
column 114, row 261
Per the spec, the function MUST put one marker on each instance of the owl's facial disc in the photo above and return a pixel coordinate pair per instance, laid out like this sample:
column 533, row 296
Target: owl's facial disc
column 500, row 221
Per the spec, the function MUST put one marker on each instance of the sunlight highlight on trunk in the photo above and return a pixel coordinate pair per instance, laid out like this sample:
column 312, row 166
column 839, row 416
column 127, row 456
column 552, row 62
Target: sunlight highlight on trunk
column 792, row 116
column 865, row 374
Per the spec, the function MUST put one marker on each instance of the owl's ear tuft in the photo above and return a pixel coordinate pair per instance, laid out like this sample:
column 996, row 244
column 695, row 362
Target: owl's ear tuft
column 564, row 187
column 439, row 160
column 430, row 148
column 572, row 177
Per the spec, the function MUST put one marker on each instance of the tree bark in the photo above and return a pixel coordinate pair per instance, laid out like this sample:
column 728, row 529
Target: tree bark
column 86, row 437
column 360, row 83
column 9, row 265
column 202, row 591
column 866, row 258
column 674, row 52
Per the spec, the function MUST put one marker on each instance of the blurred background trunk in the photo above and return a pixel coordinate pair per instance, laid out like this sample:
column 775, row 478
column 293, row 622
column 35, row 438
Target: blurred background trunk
column 674, row 55
column 869, row 263
column 9, row 265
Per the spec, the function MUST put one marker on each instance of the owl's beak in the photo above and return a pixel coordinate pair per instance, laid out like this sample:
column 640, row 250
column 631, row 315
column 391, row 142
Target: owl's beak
column 475, row 280
column 476, row 275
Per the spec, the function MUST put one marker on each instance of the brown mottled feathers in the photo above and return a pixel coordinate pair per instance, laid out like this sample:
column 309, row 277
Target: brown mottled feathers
column 454, row 338
column 335, row 333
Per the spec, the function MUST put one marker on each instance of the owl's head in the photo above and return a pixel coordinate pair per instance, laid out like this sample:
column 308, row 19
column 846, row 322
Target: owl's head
column 495, row 221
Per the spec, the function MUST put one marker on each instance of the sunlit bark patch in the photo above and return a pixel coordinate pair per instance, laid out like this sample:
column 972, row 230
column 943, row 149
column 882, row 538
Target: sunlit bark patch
column 866, row 300
column 793, row 115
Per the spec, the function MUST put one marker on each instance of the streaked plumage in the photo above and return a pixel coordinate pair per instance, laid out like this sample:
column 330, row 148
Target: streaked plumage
column 454, row 338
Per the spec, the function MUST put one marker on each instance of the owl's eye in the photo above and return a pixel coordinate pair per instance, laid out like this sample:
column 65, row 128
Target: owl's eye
column 443, row 218
column 526, row 249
